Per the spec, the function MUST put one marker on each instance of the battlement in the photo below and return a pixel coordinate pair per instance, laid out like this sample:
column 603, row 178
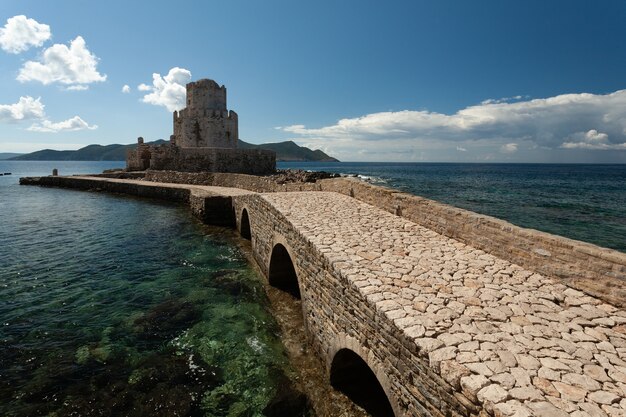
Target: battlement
column 214, row 114
column 206, row 94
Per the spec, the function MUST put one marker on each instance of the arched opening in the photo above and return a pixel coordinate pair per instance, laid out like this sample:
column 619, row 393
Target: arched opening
column 352, row 376
column 245, row 225
column 282, row 274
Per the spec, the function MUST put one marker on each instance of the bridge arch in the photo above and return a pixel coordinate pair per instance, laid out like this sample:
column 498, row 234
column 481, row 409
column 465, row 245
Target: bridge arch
column 282, row 271
column 244, row 225
column 353, row 370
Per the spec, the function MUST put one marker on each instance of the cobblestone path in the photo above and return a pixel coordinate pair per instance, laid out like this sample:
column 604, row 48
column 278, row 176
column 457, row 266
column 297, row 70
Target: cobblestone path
column 515, row 341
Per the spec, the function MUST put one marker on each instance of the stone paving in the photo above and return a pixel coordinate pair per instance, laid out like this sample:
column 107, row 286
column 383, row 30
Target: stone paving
column 512, row 340
column 200, row 190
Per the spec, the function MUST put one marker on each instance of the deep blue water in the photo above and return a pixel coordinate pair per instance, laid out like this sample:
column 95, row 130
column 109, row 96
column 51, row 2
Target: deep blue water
column 583, row 202
column 116, row 306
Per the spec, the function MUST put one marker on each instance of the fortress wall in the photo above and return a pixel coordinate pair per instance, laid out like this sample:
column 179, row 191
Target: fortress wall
column 217, row 129
column 251, row 161
column 338, row 316
column 206, row 93
column 254, row 183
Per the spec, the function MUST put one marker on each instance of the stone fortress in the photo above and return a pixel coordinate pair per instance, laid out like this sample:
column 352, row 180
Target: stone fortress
column 205, row 139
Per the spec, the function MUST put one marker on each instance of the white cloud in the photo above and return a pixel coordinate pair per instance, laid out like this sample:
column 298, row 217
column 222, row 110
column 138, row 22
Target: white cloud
column 461, row 149
column 20, row 33
column 27, row 108
column 78, row 87
column 592, row 139
column 508, row 148
column 502, row 100
column 168, row 91
column 126, row 89
column 594, row 136
column 75, row 123
column 542, row 124
column 74, row 66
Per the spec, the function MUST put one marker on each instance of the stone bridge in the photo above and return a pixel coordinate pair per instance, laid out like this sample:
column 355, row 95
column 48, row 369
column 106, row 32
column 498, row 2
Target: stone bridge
column 411, row 322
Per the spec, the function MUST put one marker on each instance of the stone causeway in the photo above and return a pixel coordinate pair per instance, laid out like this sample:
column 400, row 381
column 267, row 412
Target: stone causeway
column 448, row 327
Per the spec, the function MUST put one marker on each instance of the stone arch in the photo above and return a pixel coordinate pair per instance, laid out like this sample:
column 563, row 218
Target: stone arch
column 355, row 371
column 282, row 270
column 244, row 225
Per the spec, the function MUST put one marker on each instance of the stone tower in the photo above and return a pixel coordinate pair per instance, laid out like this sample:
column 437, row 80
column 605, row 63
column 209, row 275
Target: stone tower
column 205, row 122
column 204, row 140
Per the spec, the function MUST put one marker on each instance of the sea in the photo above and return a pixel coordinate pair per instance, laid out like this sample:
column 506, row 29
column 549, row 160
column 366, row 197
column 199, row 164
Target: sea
column 119, row 306
column 585, row 202
column 114, row 305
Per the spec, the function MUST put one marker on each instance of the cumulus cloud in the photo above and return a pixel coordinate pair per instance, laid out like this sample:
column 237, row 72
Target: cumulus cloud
column 75, row 123
column 27, row 108
column 592, row 139
column 126, row 89
column 168, row 91
column 541, row 124
column 20, row 33
column 74, row 66
column 508, row 148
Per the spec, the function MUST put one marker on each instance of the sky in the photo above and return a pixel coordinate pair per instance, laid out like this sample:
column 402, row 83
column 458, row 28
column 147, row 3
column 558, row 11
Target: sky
column 415, row 81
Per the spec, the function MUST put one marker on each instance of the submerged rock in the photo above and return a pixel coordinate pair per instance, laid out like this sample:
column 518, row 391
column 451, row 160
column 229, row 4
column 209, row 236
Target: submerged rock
column 165, row 320
column 231, row 283
column 287, row 401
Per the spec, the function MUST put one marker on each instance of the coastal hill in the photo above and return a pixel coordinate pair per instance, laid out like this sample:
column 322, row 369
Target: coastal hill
column 285, row 151
column 8, row 155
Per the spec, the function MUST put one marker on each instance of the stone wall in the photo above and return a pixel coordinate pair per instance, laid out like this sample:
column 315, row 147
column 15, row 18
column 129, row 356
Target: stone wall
column 338, row 316
column 206, row 122
column 206, row 128
column 173, row 158
column 206, row 94
column 598, row 271
column 175, row 194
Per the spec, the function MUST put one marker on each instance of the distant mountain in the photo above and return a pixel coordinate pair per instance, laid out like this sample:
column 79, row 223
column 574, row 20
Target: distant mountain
column 88, row 153
column 285, row 151
column 8, row 155
column 290, row 151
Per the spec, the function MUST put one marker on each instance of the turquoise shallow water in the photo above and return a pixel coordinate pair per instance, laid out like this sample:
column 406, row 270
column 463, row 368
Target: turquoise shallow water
column 583, row 202
column 118, row 306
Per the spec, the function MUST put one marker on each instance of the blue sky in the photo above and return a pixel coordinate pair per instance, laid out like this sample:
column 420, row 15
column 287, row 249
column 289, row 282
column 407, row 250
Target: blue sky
column 501, row 81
